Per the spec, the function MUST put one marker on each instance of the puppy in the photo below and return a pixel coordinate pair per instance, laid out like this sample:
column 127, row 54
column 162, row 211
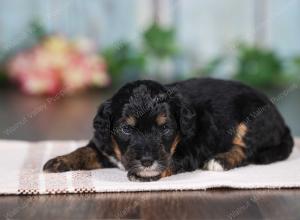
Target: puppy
column 153, row 130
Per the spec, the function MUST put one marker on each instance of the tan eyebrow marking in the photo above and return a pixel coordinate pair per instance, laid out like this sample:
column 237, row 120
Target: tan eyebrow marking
column 130, row 120
column 161, row 119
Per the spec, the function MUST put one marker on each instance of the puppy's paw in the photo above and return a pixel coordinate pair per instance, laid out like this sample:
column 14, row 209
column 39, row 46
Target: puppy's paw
column 56, row 165
column 214, row 165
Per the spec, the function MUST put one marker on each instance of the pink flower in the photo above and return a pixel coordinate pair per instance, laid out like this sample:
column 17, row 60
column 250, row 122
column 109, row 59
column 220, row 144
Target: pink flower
column 57, row 64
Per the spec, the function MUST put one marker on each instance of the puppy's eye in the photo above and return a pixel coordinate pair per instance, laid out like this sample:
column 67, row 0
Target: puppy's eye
column 126, row 129
column 165, row 129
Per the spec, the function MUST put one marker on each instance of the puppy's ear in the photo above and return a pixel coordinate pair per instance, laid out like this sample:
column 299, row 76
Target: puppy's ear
column 102, row 126
column 186, row 115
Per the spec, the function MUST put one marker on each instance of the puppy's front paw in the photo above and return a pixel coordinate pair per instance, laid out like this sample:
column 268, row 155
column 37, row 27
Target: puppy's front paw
column 214, row 165
column 56, row 165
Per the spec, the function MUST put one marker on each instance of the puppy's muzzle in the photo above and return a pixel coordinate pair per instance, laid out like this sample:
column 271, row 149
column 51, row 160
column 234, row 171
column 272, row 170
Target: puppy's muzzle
column 148, row 168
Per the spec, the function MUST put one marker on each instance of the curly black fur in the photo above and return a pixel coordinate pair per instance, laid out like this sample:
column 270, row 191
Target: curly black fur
column 156, row 130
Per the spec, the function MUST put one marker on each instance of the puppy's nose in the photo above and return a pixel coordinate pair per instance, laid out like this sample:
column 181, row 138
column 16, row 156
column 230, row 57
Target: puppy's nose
column 146, row 161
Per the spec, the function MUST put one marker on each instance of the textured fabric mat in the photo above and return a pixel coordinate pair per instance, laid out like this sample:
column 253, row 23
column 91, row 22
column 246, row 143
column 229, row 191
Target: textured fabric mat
column 21, row 173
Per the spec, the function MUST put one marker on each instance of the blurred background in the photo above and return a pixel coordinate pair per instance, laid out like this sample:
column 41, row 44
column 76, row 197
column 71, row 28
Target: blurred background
column 60, row 59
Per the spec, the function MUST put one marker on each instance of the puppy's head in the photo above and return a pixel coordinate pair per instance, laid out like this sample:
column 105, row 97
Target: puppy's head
column 142, row 125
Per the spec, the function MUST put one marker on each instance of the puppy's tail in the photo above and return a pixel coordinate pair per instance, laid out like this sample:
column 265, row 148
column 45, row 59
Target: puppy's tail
column 278, row 152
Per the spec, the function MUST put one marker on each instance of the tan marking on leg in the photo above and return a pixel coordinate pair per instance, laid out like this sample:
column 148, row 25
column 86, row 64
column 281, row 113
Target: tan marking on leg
column 167, row 172
column 116, row 149
column 130, row 120
column 174, row 144
column 235, row 156
column 161, row 119
column 240, row 133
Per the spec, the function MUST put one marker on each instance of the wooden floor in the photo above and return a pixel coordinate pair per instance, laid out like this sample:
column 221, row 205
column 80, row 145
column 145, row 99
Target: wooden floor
column 212, row 204
column 70, row 118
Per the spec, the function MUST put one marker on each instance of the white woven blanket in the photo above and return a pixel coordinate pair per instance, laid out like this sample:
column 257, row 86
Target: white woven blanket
column 21, row 173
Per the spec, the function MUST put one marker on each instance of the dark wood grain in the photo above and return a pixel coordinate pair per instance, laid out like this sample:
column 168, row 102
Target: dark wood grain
column 70, row 118
column 211, row 204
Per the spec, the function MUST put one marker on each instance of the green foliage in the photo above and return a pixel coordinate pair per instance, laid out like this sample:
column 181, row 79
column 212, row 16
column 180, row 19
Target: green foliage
column 256, row 66
column 37, row 29
column 293, row 67
column 37, row 32
column 259, row 67
column 2, row 55
column 160, row 42
column 211, row 66
column 296, row 60
column 3, row 76
column 124, row 62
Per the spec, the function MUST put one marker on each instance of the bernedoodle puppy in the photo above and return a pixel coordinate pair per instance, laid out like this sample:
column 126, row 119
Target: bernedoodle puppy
column 153, row 130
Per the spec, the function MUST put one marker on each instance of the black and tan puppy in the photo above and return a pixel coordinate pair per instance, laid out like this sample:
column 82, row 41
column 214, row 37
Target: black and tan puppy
column 155, row 130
